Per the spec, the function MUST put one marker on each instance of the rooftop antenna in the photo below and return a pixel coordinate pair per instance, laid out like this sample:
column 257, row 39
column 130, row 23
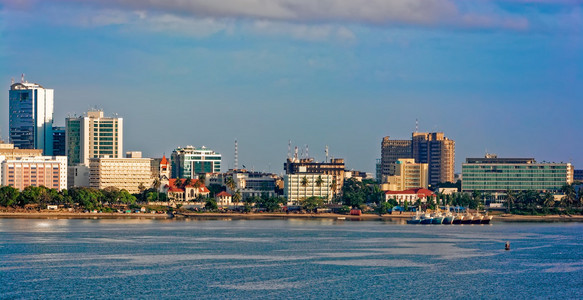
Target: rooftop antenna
column 307, row 151
column 296, row 153
column 416, row 125
column 236, row 155
column 326, row 151
column 22, row 78
column 12, row 81
column 289, row 149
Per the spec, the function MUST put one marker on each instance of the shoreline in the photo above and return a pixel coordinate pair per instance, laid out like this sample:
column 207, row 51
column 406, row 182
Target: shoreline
column 266, row 216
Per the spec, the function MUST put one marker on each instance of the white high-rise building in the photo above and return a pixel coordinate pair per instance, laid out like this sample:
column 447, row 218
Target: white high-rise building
column 31, row 116
column 93, row 136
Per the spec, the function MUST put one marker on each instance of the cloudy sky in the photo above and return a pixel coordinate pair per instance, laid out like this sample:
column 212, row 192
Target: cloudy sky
column 499, row 76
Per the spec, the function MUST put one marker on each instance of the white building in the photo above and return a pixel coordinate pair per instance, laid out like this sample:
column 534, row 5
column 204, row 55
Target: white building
column 92, row 136
column 189, row 161
column 20, row 172
column 253, row 184
column 304, row 185
column 122, row 173
column 31, row 116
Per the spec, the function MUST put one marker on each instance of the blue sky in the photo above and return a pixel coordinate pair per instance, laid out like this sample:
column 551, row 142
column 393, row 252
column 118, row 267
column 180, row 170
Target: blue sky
column 501, row 76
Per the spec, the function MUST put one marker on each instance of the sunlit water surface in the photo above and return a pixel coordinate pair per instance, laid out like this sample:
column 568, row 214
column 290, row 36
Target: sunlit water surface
column 314, row 259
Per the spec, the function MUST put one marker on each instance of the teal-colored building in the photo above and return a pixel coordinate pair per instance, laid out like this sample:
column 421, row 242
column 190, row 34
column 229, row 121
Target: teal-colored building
column 497, row 175
column 189, row 161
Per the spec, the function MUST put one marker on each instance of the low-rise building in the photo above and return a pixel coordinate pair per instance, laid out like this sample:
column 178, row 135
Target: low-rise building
column 410, row 195
column 20, row 172
column 224, row 198
column 131, row 174
column 187, row 190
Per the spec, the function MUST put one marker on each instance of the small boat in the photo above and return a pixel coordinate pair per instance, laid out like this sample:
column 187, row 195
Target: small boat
column 477, row 219
column 415, row 219
column 341, row 218
column 486, row 219
column 468, row 218
column 458, row 219
column 437, row 219
column 448, row 219
column 426, row 219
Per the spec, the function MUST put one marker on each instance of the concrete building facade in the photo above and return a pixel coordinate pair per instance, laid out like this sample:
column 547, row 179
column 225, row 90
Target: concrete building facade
column 304, row 185
column 93, row 136
column 31, row 117
column 121, row 173
column 408, row 175
column 20, row 172
column 498, row 175
column 391, row 151
column 438, row 152
column 335, row 168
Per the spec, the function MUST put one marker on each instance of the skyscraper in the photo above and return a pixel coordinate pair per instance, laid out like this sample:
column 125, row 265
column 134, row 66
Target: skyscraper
column 391, row 151
column 93, row 136
column 31, row 116
column 436, row 150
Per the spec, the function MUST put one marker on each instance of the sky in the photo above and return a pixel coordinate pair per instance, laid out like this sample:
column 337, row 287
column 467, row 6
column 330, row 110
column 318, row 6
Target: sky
column 502, row 77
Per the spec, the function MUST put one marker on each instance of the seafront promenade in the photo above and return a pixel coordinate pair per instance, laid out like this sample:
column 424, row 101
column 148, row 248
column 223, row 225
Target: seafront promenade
column 363, row 217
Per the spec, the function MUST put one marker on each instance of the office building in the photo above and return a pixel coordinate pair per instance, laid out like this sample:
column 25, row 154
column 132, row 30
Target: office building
column 11, row 152
column 498, row 175
column 189, row 161
column 391, row 151
column 20, row 172
column 131, row 174
column 578, row 175
column 408, row 175
column 438, row 152
column 59, row 141
column 334, row 168
column 300, row 186
column 31, row 117
column 252, row 184
column 93, row 136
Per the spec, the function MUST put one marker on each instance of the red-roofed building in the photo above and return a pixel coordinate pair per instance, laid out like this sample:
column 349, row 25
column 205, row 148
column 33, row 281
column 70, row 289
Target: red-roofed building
column 410, row 195
column 224, row 198
column 177, row 189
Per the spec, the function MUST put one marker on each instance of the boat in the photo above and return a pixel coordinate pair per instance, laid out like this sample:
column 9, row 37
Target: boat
column 416, row 219
column 467, row 219
column 458, row 219
column 477, row 219
column 449, row 219
column 437, row 219
column 426, row 219
column 486, row 220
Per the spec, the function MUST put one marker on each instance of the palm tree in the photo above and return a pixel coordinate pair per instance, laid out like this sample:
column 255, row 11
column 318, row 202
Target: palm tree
column 319, row 181
column 333, row 187
column 570, row 196
column 187, row 181
column 237, row 197
column 230, row 183
column 510, row 199
column 548, row 200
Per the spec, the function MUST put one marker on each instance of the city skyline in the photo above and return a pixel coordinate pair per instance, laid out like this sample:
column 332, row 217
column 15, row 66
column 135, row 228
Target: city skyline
column 206, row 75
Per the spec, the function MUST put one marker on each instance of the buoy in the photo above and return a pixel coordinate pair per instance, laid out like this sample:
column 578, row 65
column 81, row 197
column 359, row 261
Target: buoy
column 507, row 246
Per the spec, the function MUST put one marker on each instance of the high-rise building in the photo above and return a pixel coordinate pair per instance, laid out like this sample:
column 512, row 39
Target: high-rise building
column 189, row 161
column 31, row 116
column 436, row 150
column 335, row 168
column 59, row 141
column 93, row 136
column 391, row 151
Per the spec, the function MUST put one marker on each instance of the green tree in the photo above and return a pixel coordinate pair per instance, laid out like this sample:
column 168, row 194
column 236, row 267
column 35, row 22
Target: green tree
column 270, row 204
column 510, row 199
column 8, row 196
column 570, row 196
column 230, row 183
column 353, row 193
column 384, row 208
column 237, row 197
column 211, row 204
column 311, row 203
column 319, row 181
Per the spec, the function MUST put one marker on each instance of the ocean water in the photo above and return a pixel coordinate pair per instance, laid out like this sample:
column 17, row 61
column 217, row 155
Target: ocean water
column 293, row 258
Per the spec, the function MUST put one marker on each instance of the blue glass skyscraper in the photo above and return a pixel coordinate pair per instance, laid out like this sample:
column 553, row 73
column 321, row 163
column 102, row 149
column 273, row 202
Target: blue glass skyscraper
column 31, row 117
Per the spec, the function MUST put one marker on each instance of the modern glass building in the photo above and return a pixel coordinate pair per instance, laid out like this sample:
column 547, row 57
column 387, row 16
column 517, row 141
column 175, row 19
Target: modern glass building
column 189, row 161
column 492, row 174
column 31, row 117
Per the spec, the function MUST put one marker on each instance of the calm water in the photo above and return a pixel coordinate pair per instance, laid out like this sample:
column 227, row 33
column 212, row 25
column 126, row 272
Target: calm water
column 287, row 259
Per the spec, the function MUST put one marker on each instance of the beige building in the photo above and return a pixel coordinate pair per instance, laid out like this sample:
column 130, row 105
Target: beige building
column 309, row 166
column 301, row 186
column 93, row 135
column 408, row 175
column 122, row 173
column 11, row 152
column 20, row 172
column 436, row 150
